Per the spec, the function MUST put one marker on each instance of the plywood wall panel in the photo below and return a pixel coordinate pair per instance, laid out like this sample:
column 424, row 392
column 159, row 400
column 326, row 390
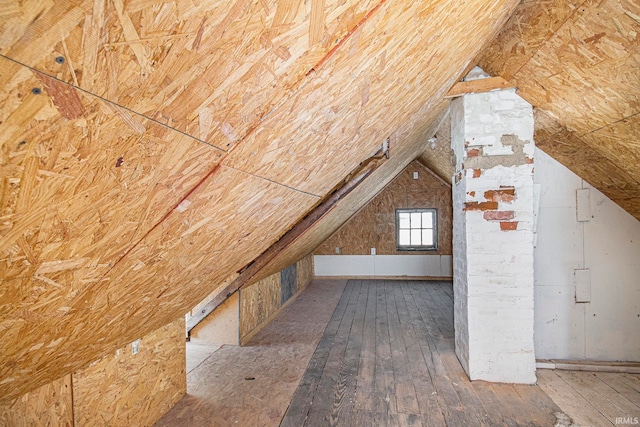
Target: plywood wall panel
column 247, row 203
column 258, row 301
column 437, row 155
column 262, row 300
column 125, row 389
column 578, row 153
column 374, row 226
column 304, row 271
column 578, row 63
column 407, row 143
column 583, row 58
column 399, row 71
column 49, row 405
column 534, row 23
column 171, row 270
column 79, row 191
column 210, row 69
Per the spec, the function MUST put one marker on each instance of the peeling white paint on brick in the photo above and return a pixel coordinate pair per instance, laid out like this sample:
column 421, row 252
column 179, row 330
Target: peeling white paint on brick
column 493, row 268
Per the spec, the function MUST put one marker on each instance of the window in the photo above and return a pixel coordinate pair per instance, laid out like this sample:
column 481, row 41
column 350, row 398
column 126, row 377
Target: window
column 417, row 229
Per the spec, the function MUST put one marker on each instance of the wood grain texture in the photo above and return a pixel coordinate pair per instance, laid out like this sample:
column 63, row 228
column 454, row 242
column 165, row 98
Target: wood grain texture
column 257, row 302
column 210, row 69
column 261, row 300
column 406, row 144
column 577, row 63
column 49, row 405
column 578, row 154
column 185, row 70
column 387, row 357
column 374, row 226
column 127, row 389
column 437, row 156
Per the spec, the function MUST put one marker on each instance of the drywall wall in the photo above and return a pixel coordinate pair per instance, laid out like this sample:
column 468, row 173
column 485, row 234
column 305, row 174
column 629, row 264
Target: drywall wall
column 374, row 226
column 607, row 244
column 384, row 265
column 221, row 326
column 348, row 251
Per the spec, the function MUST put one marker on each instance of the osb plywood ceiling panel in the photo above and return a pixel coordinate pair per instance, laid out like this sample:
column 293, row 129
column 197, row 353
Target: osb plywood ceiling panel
column 150, row 150
column 579, row 63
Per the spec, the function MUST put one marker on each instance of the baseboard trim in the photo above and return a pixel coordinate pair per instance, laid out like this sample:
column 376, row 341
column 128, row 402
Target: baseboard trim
column 589, row 365
column 426, row 278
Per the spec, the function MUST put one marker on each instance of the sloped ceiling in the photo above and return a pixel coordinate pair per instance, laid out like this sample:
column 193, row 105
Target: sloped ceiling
column 578, row 63
column 150, row 150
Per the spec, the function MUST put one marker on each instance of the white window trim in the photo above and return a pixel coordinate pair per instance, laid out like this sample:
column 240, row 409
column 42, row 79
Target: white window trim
column 433, row 247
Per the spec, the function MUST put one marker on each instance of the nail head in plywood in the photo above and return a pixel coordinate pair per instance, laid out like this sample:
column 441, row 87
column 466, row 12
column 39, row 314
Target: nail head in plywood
column 237, row 58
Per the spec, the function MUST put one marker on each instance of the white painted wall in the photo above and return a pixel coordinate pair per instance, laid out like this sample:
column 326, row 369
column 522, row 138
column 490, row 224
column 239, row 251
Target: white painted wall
column 383, row 265
column 607, row 328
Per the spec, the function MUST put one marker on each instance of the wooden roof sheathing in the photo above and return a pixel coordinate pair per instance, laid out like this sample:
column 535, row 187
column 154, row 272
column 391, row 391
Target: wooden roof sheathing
column 201, row 135
column 578, row 62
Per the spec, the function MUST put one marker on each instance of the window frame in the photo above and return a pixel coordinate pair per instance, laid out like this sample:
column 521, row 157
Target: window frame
column 434, row 229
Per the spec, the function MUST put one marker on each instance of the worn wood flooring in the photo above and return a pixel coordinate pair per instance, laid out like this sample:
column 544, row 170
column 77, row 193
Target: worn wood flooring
column 380, row 353
column 387, row 359
column 252, row 386
column 598, row 399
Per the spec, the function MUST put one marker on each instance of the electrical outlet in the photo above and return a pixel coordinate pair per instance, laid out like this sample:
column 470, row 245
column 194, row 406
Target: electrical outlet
column 415, row 175
column 135, row 347
column 373, row 251
column 337, row 250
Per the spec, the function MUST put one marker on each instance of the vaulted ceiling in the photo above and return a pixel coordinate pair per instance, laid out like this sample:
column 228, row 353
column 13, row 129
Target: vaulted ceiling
column 153, row 149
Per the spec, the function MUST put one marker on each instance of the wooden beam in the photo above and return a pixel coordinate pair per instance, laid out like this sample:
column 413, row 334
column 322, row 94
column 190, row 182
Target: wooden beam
column 479, row 86
column 249, row 272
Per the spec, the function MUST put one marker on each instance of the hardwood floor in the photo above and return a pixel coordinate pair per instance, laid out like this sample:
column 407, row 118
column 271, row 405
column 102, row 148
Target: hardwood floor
column 386, row 359
column 380, row 353
column 253, row 385
column 601, row 399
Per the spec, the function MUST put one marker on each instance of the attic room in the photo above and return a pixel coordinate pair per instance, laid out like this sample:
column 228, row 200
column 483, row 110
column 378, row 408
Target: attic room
column 258, row 167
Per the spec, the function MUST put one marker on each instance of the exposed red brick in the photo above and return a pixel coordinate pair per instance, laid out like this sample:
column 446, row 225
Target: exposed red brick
column 474, row 152
column 477, row 173
column 509, row 225
column 528, row 160
column 504, row 194
column 499, row 215
column 481, row 206
column 472, row 193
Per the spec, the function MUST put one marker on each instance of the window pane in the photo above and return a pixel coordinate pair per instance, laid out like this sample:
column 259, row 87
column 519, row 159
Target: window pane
column 415, row 220
column 416, row 237
column 427, row 237
column 427, row 219
column 404, row 238
column 404, row 220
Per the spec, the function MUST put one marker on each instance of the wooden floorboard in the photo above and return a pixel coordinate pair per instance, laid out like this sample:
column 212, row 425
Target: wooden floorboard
column 399, row 368
column 380, row 353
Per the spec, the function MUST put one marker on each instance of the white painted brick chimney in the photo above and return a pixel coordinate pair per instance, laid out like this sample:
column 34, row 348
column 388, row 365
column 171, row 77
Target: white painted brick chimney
column 492, row 137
